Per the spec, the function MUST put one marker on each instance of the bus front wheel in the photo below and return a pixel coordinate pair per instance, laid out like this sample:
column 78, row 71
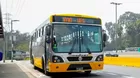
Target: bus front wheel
column 44, row 69
column 35, row 67
column 87, row 72
column 47, row 73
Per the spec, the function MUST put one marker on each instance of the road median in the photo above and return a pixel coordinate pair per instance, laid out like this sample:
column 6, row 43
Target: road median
column 123, row 61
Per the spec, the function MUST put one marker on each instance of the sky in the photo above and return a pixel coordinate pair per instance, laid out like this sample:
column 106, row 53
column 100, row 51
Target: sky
column 31, row 13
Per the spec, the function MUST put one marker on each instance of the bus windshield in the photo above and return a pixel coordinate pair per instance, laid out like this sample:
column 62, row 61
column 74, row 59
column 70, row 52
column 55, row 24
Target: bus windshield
column 76, row 38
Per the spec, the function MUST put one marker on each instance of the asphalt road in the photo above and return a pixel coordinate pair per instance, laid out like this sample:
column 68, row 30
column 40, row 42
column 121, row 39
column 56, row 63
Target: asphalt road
column 11, row 70
column 129, row 71
column 108, row 72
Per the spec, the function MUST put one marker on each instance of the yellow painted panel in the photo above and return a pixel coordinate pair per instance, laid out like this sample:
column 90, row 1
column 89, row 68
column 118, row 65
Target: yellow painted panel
column 124, row 61
column 38, row 62
column 62, row 67
column 76, row 15
column 51, row 19
column 97, row 65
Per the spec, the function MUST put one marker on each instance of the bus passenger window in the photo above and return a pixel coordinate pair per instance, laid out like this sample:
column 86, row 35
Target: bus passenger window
column 42, row 30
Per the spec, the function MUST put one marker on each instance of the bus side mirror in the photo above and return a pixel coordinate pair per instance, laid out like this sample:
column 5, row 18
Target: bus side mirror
column 48, row 41
column 48, row 31
column 104, row 39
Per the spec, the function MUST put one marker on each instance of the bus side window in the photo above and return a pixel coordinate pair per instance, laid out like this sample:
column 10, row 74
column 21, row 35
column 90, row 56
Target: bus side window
column 38, row 33
column 42, row 30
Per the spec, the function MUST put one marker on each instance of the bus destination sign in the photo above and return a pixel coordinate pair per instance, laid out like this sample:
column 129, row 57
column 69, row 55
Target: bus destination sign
column 76, row 20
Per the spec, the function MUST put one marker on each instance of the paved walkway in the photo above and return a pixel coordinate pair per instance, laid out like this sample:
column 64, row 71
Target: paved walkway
column 11, row 70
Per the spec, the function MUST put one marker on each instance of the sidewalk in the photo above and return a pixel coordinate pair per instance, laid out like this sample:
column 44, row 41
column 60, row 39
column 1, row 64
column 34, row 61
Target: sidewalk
column 7, row 62
column 11, row 70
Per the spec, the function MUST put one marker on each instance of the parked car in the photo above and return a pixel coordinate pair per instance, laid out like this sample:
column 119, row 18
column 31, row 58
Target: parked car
column 112, row 55
column 17, row 55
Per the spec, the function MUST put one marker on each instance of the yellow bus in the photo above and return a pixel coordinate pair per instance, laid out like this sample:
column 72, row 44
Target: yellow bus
column 68, row 43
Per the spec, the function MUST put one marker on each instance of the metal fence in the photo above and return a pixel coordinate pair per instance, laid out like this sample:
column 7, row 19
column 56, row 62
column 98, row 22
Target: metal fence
column 17, row 55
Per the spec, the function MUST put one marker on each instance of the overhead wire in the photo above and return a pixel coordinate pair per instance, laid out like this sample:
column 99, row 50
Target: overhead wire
column 9, row 16
column 18, row 7
column 12, row 2
column 6, row 17
column 21, row 8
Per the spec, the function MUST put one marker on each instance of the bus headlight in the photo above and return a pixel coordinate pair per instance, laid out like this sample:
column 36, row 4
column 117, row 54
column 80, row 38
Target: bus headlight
column 99, row 58
column 57, row 59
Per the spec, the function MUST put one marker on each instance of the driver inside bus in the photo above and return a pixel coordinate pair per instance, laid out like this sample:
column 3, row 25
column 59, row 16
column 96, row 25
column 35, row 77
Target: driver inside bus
column 54, row 45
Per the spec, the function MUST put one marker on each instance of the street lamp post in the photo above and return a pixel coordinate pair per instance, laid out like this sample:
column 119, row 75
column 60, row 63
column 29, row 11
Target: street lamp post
column 12, row 39
column 5, row 45
column 116, row 4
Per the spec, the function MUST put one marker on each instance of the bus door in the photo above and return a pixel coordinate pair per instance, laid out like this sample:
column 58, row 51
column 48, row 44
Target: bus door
column 47, row 53
column 48, row 41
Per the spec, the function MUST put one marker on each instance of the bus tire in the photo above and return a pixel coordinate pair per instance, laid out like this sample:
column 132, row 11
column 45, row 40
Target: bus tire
column 43, row 68
column 48, row 73
column 35, row 67
column 32, row 60
column 87, row 72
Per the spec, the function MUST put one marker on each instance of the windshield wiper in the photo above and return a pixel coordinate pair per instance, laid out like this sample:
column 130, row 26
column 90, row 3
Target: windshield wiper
column 85, row 44
column 72, row 48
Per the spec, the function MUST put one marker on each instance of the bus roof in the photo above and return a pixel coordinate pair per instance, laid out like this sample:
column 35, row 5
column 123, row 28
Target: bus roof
column 70, row 15
column 76, row 15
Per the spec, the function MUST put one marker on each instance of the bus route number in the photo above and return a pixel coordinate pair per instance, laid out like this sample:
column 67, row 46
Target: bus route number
column 78, row 20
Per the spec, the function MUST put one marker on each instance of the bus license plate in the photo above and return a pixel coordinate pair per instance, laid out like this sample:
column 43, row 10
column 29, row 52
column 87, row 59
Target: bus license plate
column 79, row 68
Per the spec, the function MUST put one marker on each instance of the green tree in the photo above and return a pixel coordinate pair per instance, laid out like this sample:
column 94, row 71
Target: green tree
column 111, row 31
column 131, row 22
column 21, row 43
column 23, row 46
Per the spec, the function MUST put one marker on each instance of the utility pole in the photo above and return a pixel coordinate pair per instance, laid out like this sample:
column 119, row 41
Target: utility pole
column 115, row 27
column 11, row 41
column 12, row 46
column 7, row 25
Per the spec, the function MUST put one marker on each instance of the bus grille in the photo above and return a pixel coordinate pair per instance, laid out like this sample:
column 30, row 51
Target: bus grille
column 75, row 66
column 76, row 58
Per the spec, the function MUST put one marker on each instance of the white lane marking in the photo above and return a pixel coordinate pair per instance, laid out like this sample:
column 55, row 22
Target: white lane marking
column 128, row 77
column 36, row 73
column 111, row 73
column 26, row 70
column 102, row 72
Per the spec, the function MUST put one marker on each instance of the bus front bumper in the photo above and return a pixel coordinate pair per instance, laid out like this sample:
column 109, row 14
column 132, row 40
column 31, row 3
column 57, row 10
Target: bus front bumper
column 75, row 67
